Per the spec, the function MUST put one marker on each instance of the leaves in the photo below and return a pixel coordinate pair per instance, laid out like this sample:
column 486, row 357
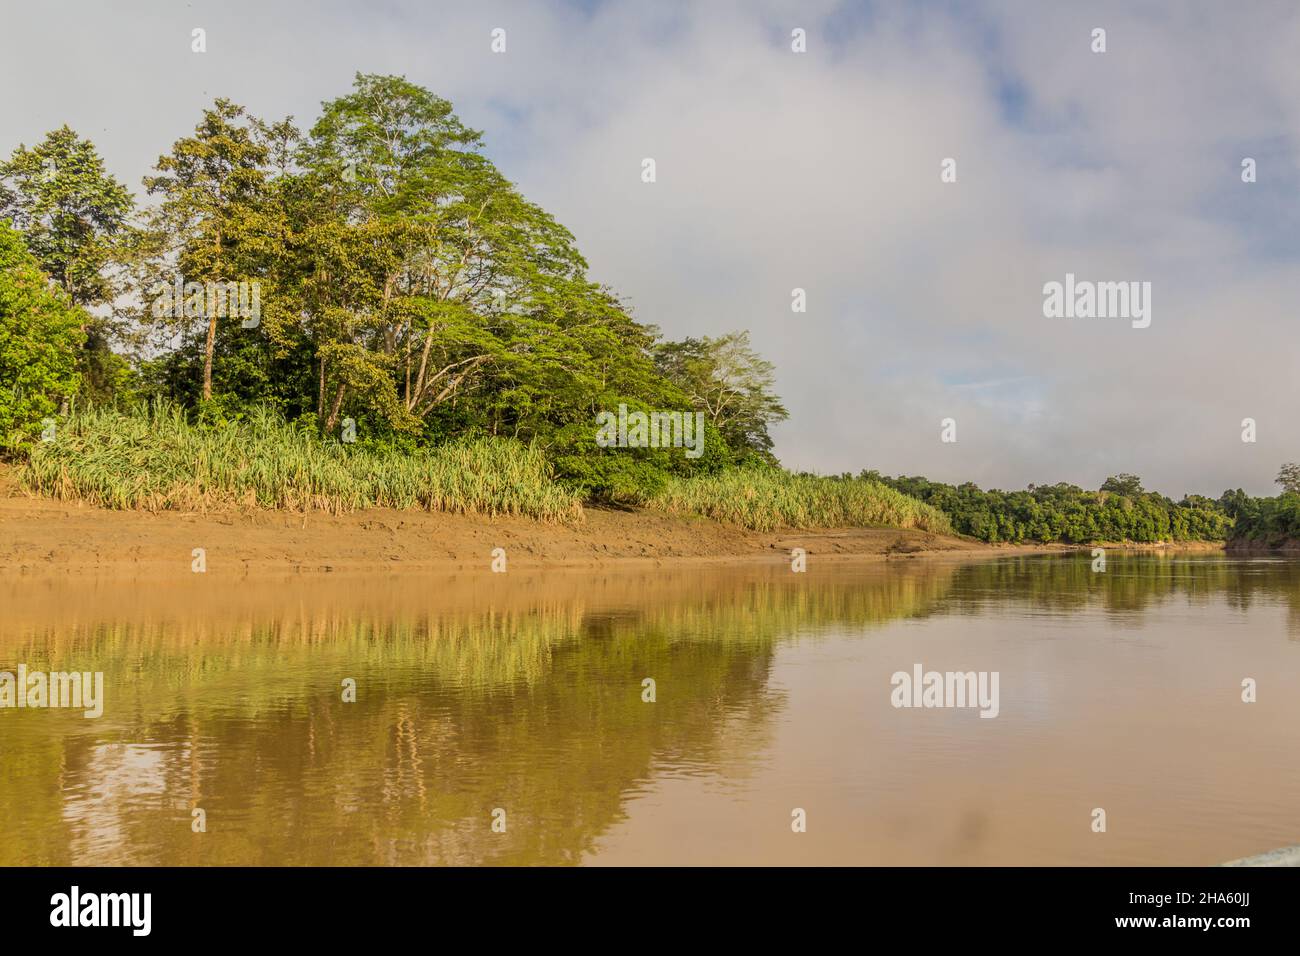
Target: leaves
column 40, row 339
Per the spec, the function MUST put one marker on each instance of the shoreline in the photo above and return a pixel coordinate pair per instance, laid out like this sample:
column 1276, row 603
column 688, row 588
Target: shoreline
column 39, row 536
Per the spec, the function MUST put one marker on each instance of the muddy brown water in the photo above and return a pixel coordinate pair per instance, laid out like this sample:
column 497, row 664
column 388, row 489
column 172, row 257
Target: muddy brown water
column 517, row 699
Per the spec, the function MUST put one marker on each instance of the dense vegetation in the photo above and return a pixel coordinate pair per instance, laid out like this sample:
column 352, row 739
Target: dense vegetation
column 1121, row 510
column 405, row 293
column 40, row 337
column 765, row 499
column 1267, row 522
column 157, row 459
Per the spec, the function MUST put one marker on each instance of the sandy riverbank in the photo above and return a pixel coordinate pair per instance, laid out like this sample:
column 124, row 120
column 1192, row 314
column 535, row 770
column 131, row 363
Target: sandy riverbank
column 40, row 535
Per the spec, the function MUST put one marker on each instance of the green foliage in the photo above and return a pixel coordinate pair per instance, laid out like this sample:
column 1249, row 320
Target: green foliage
column 1266, row 522
column 68, row 208
column 1288, row 476
column 730, row 381
column 73, row 215
column 1066, row 513
column 404, row 282
column 40, row 341
column 765, row 499
column 1130, row 486
column 158, row 459
column 216, row 222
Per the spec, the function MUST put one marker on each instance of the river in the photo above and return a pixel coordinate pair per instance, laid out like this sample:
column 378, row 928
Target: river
column 508, row 719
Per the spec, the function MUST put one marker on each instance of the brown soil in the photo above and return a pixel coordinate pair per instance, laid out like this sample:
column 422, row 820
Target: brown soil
column 42, row 535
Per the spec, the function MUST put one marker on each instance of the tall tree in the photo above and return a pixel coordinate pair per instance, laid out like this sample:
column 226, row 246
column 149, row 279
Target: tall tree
column 1288, row 476
column 469, row 284
column 1130, row 486
column 211, row 222
column 71, row 212
column 68, row 208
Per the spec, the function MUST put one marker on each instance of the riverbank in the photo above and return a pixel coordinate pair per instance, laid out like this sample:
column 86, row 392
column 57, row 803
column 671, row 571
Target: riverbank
column 1286, row 547
column 43, row 535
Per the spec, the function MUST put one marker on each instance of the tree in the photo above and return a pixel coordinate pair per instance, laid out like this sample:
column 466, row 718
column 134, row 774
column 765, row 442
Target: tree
column 1130, row 486
column 469, row 266
column 422, row 265
column 1288, row 477
column 71, row 212
column 68, row 209
column 40, row 338
column 731, row 383
column 211, row 222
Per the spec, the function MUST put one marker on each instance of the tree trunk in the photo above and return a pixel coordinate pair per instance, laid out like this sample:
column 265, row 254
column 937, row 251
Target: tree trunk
column 320, row 397
column 207, row 357
column 334, row 409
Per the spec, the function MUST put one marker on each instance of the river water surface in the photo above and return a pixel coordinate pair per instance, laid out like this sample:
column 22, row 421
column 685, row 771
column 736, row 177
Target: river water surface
column 518, row 699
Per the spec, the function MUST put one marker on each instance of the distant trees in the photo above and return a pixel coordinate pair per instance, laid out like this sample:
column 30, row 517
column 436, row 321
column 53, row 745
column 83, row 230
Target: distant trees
column 1119, row 511
column 1268, row 521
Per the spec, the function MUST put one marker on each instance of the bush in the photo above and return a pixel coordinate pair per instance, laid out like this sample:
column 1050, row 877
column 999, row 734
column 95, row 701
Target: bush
column 40, row 339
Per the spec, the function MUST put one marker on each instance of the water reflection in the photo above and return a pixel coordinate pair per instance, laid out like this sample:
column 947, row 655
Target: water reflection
column 477, row 692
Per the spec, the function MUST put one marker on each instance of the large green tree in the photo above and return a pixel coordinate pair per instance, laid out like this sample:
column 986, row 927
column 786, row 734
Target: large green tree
column 213, row 224
column 422, row 265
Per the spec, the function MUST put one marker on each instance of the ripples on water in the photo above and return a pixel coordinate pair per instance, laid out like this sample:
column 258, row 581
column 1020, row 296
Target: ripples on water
column 1119, row 690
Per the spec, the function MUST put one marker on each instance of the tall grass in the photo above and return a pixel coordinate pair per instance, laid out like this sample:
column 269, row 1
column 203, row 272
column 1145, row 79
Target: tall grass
column 156, row 459
column 766, row 499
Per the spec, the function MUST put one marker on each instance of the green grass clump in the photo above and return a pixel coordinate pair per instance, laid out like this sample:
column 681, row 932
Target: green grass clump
column 156, row 459
column 764, row 499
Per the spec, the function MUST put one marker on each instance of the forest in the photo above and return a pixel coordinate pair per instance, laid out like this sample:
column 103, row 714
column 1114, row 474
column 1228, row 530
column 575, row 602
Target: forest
column 401, row 284
column 1121, row 510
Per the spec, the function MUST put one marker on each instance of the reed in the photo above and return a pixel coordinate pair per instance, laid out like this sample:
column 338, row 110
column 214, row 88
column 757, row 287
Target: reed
column 764, row 499
column 156, row 459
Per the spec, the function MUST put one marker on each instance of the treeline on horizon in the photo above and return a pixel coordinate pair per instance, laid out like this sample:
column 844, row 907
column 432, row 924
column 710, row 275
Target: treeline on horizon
column 1120, row 510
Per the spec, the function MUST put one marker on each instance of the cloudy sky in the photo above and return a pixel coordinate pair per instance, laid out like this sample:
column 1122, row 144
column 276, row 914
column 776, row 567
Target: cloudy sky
column 821, row 171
